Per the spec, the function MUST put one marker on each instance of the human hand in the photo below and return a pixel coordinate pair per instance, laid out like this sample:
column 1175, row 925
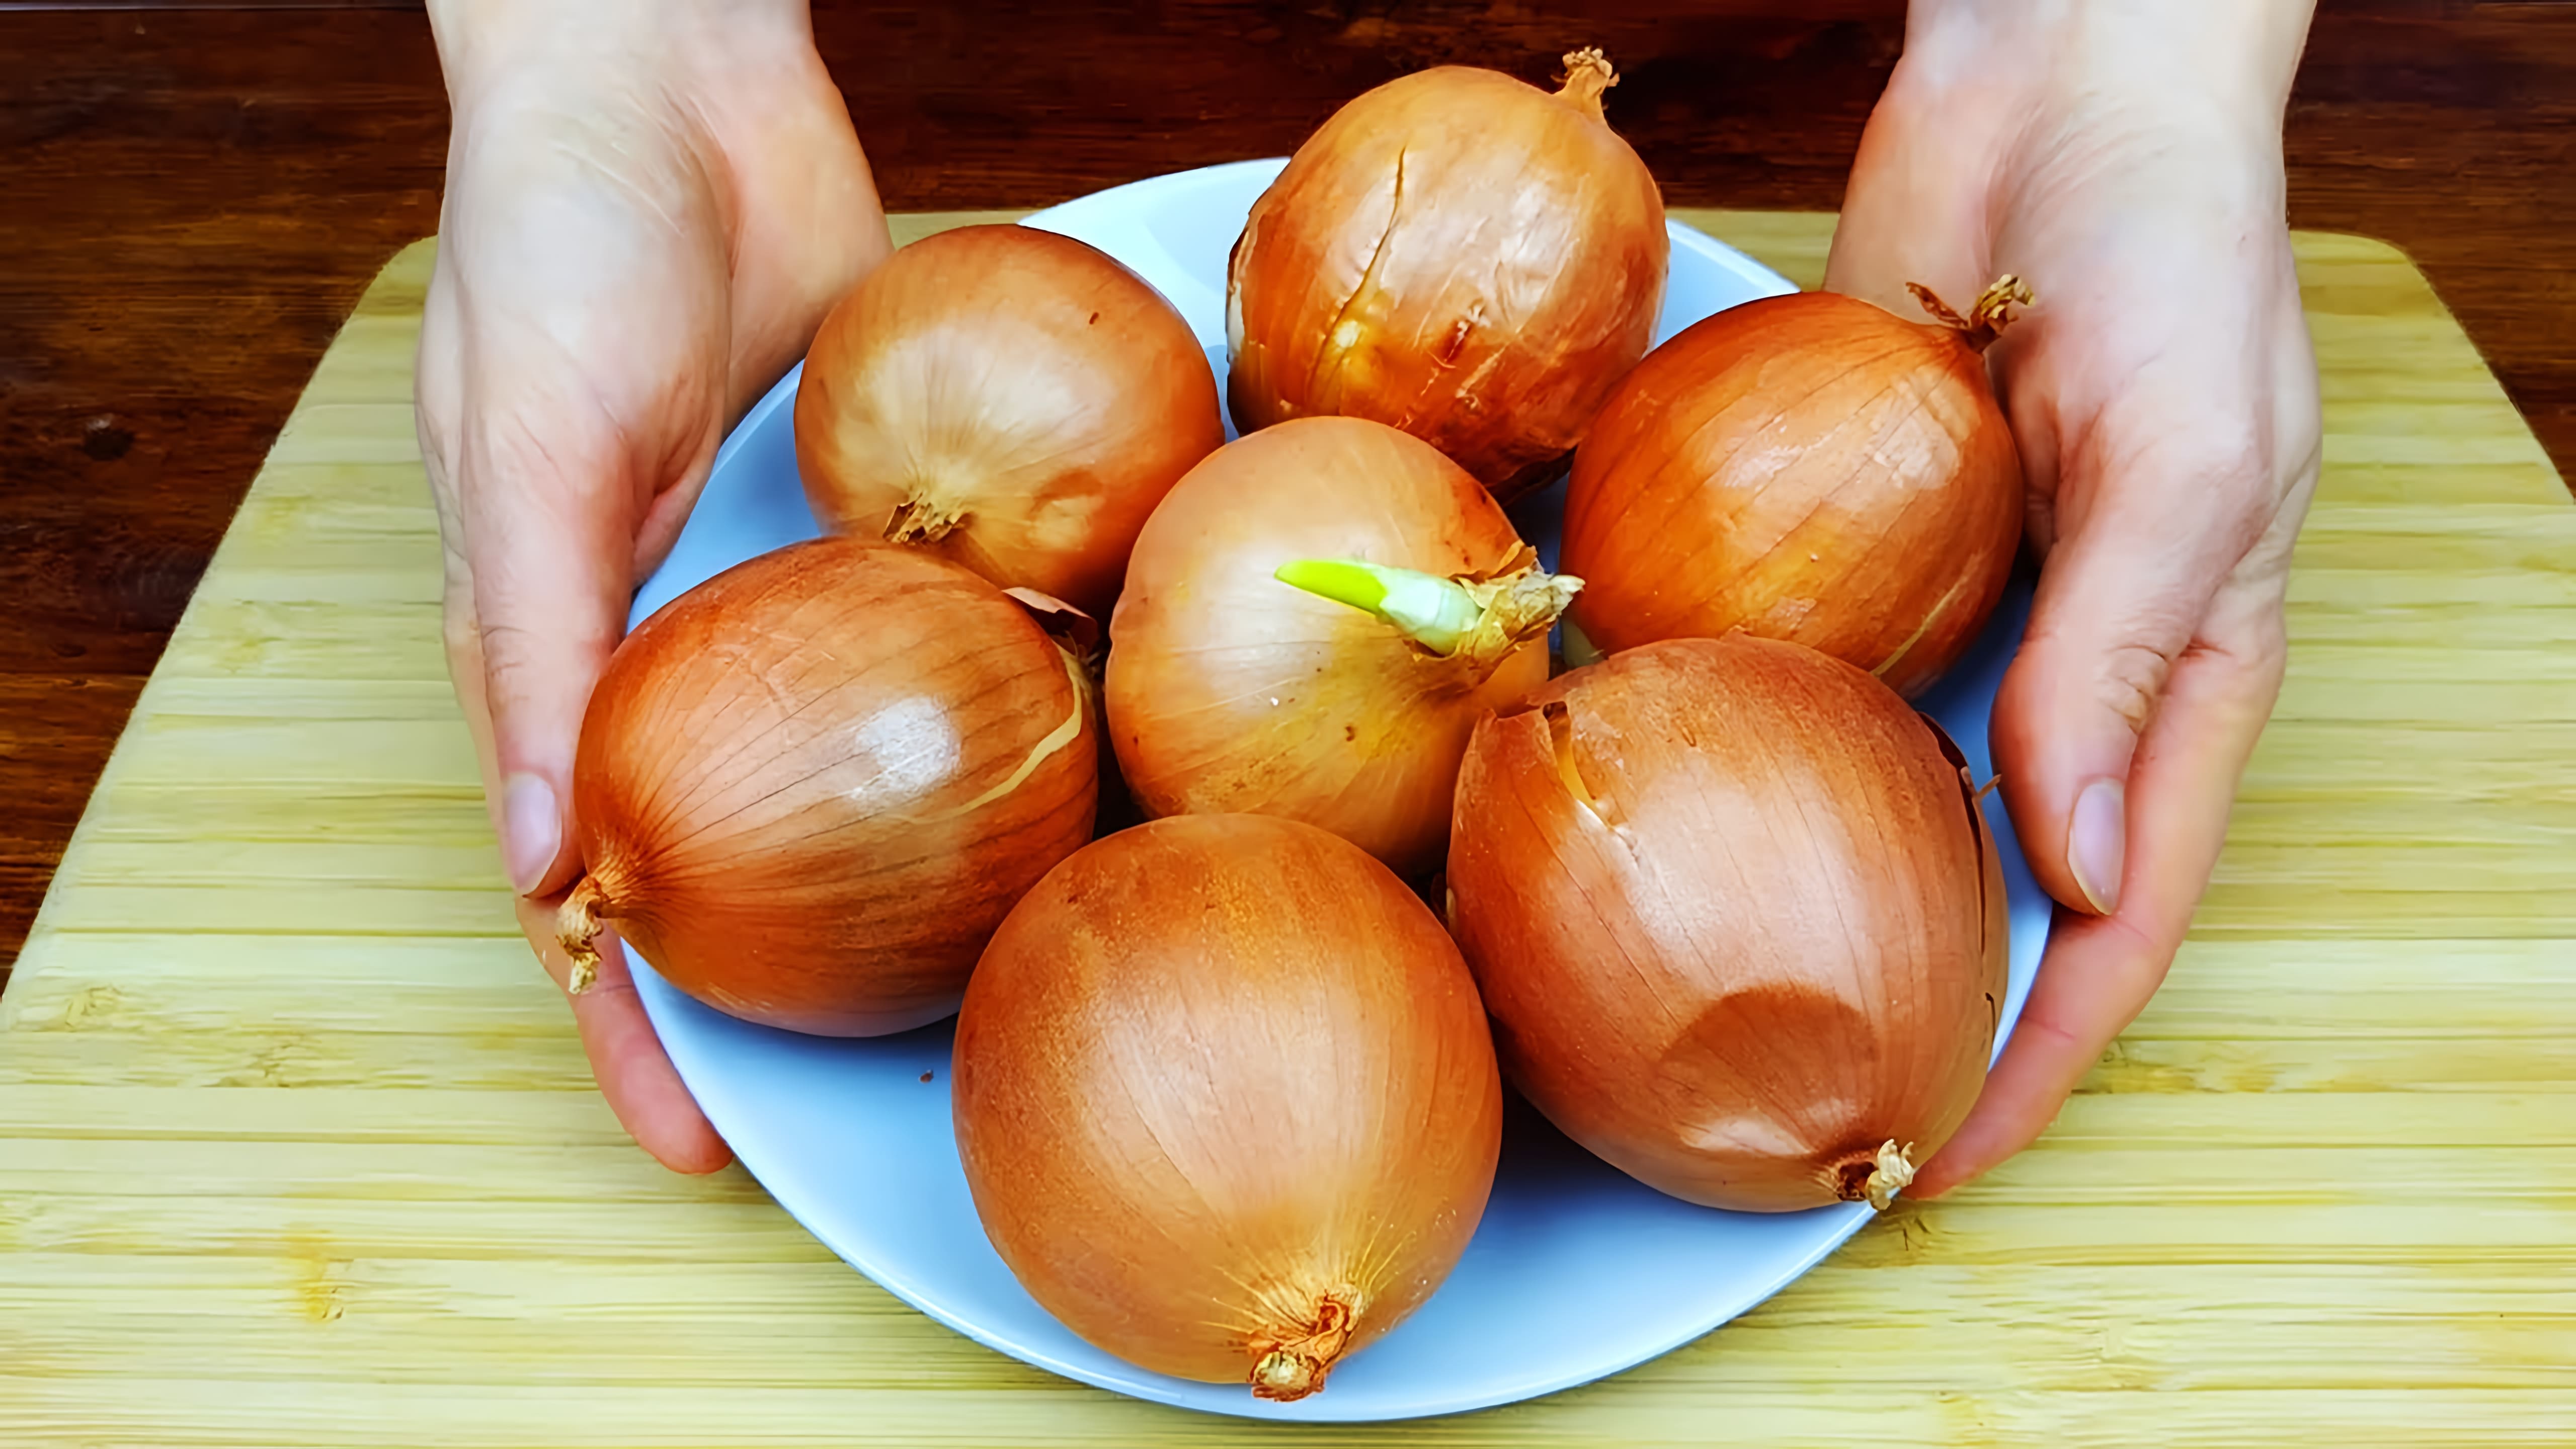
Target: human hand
column 2125, row 162
column 649, row 208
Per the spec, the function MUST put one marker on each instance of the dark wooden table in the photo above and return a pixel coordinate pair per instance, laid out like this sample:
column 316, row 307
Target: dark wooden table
column 191, row 196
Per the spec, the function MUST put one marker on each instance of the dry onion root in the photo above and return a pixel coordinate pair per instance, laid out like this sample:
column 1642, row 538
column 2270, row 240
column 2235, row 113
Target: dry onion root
column 1810, row 468
column 1457, row 254
column 1008, row 398
column 808, row 789
column 1737, row 919
column 1313, row 622
column 1226, row 1100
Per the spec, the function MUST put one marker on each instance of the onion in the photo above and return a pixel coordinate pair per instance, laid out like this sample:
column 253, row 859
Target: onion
column 1456, row 253
column 1225, row 1099
column 809, row 788
column 1737, row 918
column 1009, row 398
column 1810, row 468
column 1229, row 689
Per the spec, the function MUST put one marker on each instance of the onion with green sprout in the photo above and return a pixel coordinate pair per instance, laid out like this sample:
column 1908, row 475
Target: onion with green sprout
column 1313, row 622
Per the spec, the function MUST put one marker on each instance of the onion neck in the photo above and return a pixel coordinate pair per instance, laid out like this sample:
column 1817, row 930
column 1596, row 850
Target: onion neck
column 1987, row 318
column 920, row 519
column 1878, row 1178
column 1478, row 621
column 1587, row 75
column 578, row 922
column 1289, row 1368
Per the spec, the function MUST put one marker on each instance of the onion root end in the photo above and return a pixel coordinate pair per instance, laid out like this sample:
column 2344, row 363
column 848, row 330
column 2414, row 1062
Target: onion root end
column 1876, row 1179
column 918, row 520
column 577, row 927
column 1287, row 1370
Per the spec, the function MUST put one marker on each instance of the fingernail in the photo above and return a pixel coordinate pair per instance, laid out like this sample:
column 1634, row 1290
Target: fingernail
column 2097, row 842
column 531, row 830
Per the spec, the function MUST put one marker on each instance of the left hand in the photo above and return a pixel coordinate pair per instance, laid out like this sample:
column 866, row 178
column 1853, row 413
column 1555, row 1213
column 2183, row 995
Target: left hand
column 650, row 206
column 2127, row 166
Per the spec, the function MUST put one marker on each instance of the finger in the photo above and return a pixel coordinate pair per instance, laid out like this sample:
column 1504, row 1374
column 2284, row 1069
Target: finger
column 626, row 1057
column 2119, row 598
column 590, row 332
column 437, row 405
column 634, row 1073
column 2100, row 970
column 549, row 508
column 464, row 644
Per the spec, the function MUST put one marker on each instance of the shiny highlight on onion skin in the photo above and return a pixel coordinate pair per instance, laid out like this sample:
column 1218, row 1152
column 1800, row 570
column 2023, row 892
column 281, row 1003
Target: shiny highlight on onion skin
column 1738, row 920
column 1008, row 398
column 1457, row 254
column 1226, row 1099
column 808, row 789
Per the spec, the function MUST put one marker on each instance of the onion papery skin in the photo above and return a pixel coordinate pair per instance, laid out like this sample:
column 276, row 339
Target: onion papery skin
column 1737, row 918
column 1811, row 468
column 1230, row 691
column 808, row 789
column 1458, row 254
column 1008, row 398
column 1226, row 1099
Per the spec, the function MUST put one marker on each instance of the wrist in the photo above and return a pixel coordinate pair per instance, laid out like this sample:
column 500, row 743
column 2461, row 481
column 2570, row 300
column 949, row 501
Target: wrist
column 2225, row 61
column 486, row 46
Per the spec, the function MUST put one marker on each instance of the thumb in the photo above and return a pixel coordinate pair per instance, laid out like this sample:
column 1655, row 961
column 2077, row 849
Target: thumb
column 549, row 532
column 2119, row 600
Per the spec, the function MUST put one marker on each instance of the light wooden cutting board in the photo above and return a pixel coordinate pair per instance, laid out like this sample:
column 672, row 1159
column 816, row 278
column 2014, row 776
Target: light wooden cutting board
column 296, row 1145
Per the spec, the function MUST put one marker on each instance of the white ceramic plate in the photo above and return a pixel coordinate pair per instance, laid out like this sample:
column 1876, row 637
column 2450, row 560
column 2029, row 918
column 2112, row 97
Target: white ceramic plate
column 1576, row 1272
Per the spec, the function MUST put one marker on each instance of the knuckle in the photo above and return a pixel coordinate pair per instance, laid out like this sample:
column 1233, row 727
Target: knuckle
column 510, row 656
column 2129, row 681
column 2246, row 636
column 2148, row 951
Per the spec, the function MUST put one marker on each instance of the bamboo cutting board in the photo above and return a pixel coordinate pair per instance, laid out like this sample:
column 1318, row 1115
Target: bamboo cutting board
column 297, row 1146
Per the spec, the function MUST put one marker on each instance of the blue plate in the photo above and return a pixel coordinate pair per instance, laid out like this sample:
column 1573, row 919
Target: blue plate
column 1577, row 1270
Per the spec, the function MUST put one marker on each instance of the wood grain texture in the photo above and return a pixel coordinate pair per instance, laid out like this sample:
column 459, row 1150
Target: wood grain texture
column 297, row 1147
column 193, row 201
column 197, row 191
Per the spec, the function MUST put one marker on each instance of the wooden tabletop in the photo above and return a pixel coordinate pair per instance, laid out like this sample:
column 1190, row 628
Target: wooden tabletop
column 297, row 1147
column 193, row 193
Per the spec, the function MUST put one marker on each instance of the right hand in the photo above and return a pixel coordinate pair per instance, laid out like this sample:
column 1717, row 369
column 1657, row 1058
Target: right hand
column 650, row 205
column 2125, row 161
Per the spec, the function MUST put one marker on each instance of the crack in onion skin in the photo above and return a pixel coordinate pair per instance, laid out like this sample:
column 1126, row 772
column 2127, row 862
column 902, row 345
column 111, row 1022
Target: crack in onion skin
column 1008, row 398
column 1226, row 1099
column 1457, row 254
column 1229, row 690
column 808, row 789
column 1810, row 468
column 1737, row 918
